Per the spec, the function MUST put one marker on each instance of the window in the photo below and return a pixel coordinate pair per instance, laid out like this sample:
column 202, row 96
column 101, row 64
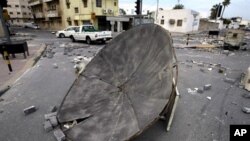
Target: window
column 85, row 3
column 98, row 3
column 11, row 13
column 16, row 5
column 179, row 22
column 235, row 35
column 68, row 6
column 76, row 22
column 18, row 13
column 162, row 21
column 162, row 16
column 24, row 13
column 8, row 5
column 23, row 6
column 69, row 23
column 76, row 10
column 115, row 3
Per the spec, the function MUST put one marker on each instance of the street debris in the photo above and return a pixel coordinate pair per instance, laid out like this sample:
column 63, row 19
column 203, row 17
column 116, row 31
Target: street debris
column 200, row 90
column 29, row 110
column 53, row 121
column 209, row 98
column 47, row 126
column 246, row 110
column 229, row 80
column 210, row 69
column 207, row 87
column 47, row 116
column 60, row 136
column 55, row 66
column 190, row 91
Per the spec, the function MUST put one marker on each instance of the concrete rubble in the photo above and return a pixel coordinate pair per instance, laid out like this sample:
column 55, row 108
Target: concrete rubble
column 29, row 110
column 246, row 110
column 60, row 136
column 229, row 80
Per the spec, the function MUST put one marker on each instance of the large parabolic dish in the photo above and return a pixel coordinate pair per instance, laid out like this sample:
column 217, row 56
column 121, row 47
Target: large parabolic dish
column 123, row 89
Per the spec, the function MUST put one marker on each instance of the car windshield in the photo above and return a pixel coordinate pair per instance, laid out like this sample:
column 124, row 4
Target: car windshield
column 89, row 28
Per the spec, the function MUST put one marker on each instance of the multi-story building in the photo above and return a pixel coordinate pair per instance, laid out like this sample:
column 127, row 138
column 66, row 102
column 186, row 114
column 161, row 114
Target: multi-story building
column 19, row 12
column 58, row 14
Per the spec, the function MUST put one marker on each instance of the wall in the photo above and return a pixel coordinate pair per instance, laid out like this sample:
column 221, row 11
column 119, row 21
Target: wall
column 206, row 25
column 189, row 23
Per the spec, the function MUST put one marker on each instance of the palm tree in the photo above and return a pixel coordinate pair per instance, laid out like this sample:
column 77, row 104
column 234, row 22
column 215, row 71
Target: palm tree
column 225, row 3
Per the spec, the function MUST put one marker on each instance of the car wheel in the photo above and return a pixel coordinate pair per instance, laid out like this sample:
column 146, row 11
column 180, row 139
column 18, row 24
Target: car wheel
column 88, row 40
column 61, row 35
column 72, row 39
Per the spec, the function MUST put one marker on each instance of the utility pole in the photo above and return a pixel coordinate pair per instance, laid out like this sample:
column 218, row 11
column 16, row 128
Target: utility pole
column 156, row 15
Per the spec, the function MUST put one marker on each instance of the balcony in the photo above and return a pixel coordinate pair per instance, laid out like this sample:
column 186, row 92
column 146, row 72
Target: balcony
column 34, row 2
column 48, row 0
column 39, row 15
column 53, row 14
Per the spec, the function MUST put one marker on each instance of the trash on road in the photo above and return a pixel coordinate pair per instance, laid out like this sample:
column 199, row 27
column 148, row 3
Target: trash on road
column 29, row 110
column 55, row 66
column 229, row 80
column 209, row 98
column 246, row 110
column 207, row 87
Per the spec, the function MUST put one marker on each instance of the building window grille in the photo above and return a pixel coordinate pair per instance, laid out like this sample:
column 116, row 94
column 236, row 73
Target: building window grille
column 162, row 22
column 179, row 22
column 98, row 3
column 85, row 3
column 76, row 10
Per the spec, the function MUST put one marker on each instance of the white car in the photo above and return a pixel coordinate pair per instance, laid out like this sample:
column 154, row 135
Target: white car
column 66, row 32
column 88, row 33
column 31, row 25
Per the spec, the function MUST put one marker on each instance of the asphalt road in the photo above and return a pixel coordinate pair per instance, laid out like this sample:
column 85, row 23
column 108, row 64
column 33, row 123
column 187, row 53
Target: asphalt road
column 196, row 119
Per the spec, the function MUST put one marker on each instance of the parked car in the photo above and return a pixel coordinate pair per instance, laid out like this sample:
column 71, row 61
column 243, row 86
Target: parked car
column 31, row 25
column 89, row 34
column 66, row 32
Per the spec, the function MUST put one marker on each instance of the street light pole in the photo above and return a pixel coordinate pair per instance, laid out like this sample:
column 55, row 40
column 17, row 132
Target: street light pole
column 157, row 8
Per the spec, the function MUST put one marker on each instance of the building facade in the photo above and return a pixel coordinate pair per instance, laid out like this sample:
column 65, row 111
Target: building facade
column 58, row 14
column 19, row 12
column 179, row 20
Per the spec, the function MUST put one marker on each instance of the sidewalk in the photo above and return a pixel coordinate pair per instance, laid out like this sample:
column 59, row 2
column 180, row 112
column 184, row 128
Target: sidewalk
column 19, row 65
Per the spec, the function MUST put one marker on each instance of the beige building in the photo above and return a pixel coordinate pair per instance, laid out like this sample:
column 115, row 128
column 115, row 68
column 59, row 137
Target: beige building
column 58, row 14
column 19, row 12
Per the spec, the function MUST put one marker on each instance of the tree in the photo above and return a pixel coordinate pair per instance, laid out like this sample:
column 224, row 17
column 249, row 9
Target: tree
column 226, row 21
column 225, row 3
column 178, row 6
column 122, row 11
column 213, row 14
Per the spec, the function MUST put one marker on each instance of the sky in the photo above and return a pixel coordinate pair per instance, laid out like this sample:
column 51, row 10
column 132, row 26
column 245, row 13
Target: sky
column 236, row 8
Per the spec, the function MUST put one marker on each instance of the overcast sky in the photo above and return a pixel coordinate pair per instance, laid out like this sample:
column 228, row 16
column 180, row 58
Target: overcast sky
column 236, row 8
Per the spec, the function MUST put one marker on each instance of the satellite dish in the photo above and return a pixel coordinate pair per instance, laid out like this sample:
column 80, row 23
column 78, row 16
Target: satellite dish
column 123, row 89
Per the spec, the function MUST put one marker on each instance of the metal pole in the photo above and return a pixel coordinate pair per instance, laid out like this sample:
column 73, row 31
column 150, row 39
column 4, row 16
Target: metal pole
column 6, row 57
column 140, row 12
column 4, row 25
column 157, row 8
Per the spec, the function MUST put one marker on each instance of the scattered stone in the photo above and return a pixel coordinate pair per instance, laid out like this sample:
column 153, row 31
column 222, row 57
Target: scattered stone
column 246, row 95
column 29, row 110
column 246, row 110
column 55, row 65
column 210, row 69
column 207, row 87
column 226, row 52
column 47, row 126
column 47, row 116
column 53, row 121
column 209, row 98
column 60, row 136
column 229, row 80
column 53, row 109
column 200, row 90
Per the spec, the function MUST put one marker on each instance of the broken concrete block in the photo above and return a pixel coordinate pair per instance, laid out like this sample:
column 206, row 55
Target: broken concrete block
column 246, row 110
column 53, row 121
column 47, row 126
column 207, row 87
column 229, row 80
column 246, row 95
column 55, row 65
column 52, row 109
column 200, row 90
column 47, row 116
column 29, row 110
column 60, row 136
